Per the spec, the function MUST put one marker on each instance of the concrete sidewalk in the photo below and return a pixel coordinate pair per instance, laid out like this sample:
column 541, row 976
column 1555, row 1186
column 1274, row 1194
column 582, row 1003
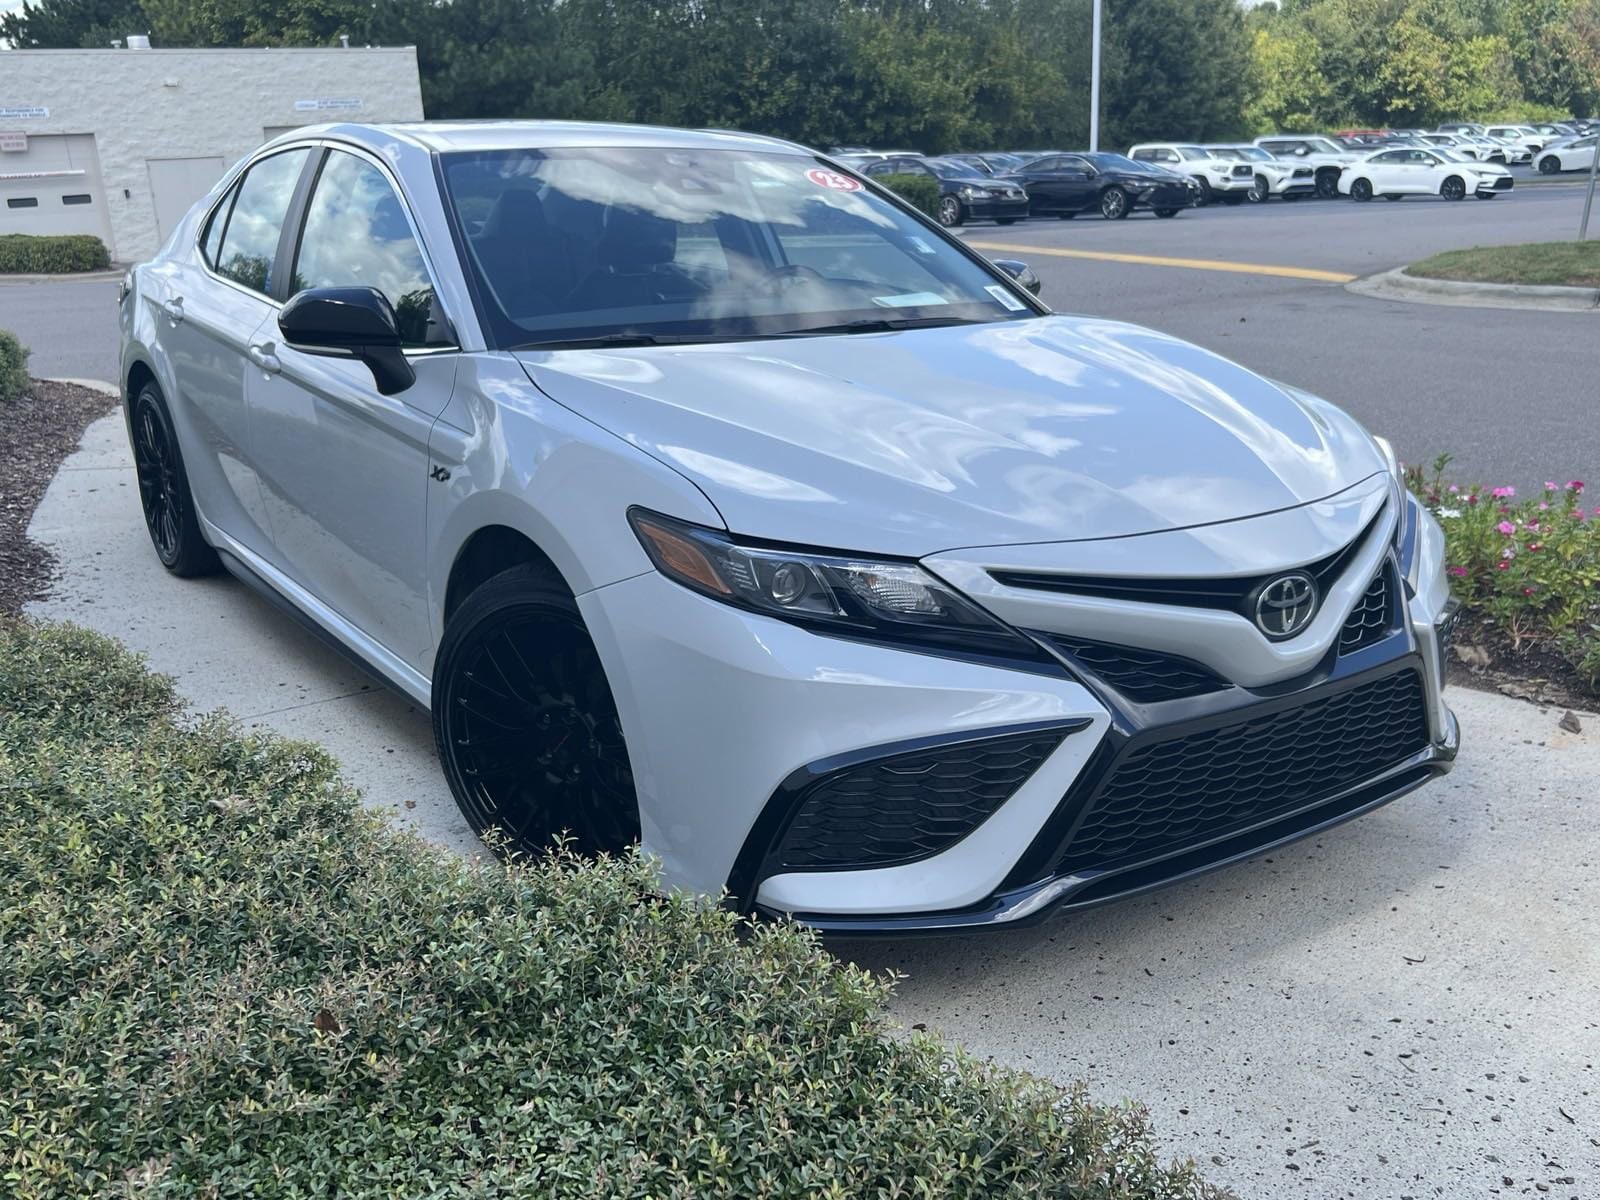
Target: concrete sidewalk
column 1406, row 1006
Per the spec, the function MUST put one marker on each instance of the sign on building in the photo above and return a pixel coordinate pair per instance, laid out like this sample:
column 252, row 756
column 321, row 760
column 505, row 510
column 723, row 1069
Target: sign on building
column 13, row 142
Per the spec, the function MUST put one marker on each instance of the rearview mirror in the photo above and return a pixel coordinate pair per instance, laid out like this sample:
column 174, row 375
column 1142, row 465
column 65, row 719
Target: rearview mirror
column 1020, row 272
column 349, row 322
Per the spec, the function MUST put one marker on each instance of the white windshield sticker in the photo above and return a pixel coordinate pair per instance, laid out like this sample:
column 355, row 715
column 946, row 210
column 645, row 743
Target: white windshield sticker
column 1005, row 297
column 910, row 300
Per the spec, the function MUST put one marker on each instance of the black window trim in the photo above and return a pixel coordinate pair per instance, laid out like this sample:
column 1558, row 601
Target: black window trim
column 229, row 194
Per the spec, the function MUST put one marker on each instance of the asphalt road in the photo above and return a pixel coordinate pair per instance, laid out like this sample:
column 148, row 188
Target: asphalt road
column 69, row 324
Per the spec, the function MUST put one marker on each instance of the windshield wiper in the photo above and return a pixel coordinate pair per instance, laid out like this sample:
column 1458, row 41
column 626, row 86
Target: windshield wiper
column 625, row 338
column 885, row 325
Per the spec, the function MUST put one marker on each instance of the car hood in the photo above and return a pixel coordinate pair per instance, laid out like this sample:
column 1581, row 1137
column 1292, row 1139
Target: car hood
column 1047, row 429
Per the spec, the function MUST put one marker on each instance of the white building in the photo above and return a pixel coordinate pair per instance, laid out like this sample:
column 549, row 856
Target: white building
column 120, row 143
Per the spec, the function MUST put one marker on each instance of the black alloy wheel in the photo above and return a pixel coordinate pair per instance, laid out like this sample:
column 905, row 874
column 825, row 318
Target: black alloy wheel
column 1454, row 188
column 1361, row 189
column 164, row 495
column 950, row 214
column 1328, row 183
column 1113, row 203
column 525, row 724
column 1550, row 164
column 1259, row 190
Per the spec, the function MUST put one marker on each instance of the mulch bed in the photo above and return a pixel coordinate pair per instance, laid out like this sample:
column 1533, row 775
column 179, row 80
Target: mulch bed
column 36, row 433
column 1488, row 659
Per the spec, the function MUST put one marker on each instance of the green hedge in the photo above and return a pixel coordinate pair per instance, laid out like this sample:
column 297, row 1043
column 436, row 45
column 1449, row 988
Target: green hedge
column 225, row 978
column 13, row 367
column 27, row 254
column 918, row 190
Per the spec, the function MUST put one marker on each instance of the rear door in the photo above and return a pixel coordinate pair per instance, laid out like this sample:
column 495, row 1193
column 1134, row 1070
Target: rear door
column 345, row 468
column 209, row 305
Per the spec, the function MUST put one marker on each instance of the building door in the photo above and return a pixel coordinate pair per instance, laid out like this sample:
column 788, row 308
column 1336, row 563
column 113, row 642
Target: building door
column 51, row 185
column 176, row 183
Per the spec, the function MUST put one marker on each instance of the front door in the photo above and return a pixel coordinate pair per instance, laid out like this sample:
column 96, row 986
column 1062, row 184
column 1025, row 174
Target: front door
column 345, row 469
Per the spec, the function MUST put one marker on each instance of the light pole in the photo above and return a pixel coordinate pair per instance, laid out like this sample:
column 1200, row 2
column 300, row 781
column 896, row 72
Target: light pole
column 1094, row 84
column 1588, row 198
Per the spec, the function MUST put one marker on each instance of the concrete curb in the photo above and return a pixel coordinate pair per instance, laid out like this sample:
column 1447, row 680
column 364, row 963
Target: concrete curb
column 115, row 272
column 1397, row 285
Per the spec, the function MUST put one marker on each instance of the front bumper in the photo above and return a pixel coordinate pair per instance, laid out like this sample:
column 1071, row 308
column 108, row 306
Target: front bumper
column 995, row 209
column 778, row 766
column 1494, row 184
column 1164, row 195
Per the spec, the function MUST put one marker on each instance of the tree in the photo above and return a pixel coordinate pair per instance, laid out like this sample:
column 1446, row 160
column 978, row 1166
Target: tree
column 67, row 24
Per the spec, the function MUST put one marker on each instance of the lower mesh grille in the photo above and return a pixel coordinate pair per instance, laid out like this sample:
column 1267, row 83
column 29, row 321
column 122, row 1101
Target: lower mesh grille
column 1145, row 676
column 1167, row 795
column 1369, row 621
column 899, row 809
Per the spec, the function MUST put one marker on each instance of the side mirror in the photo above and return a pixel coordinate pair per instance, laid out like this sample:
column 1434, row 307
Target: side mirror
column 349, row 322
column 1301, row 152
column 1020, row 272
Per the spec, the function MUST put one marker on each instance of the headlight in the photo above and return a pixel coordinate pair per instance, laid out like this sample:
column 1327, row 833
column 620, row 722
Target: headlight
column 968, row 192
column 838, row 594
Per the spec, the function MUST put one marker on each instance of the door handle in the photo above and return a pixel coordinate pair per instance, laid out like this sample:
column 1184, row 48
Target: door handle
column 174, row 309
column 261, row 353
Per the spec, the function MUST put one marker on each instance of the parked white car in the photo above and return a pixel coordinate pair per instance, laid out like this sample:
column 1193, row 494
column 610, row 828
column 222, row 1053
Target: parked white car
column 1463, row 144
column 1325, row 158
column 1273, row 177
column 1574, row 155
column 1223, row 179
column 1525, row 136
column 1394, row 174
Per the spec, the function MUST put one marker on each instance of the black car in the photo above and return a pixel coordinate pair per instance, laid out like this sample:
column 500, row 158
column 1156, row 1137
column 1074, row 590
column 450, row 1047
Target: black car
column 965, row 193
column 1065, row 185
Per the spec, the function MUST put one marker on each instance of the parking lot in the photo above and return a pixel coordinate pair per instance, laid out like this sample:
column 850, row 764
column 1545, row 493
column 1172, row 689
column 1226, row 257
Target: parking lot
column 1403, row 1007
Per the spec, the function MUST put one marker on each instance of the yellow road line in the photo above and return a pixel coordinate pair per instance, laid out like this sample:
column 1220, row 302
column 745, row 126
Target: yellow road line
column 1154, row 260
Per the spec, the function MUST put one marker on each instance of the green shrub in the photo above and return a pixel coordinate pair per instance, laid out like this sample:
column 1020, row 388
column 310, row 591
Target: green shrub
column 13, row 367
column 1530, row 567
column 225, row 978
column 27, row 254
column 919, row 191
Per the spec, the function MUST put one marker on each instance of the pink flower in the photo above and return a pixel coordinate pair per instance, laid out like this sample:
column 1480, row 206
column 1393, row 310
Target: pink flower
column 1501, row 566
column 1575, row 485
column 1506, row 527
column 1458, row 572
column 1453, row 489
column 1527, row 591
column 1536, row 547
column 1501, row 493
column 1472, row 499
column 1549, row 486
column 1543, row 507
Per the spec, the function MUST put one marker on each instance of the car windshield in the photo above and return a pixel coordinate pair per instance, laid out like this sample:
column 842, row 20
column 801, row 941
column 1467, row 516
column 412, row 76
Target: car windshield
column 1193, row 152
column 657, row 244
column 1448, row 155
column 1114, row 162
column 946, row 168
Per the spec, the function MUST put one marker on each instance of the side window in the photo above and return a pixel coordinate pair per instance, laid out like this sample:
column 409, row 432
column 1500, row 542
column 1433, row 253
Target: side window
column 1144, row 155
column 250, row 240
column 356, row 234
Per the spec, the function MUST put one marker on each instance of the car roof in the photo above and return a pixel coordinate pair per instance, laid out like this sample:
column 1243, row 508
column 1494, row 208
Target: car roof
column 444, row 136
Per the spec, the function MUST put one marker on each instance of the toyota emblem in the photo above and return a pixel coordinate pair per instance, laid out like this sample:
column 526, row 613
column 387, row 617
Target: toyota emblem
column 1286, row 605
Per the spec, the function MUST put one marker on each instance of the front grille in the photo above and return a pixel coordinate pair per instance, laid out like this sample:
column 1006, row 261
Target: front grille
column 908, row 806
column 1171, row 794
column 1371, row 619
column 1144, row 676
column 1302, row 173
column 1243, row 172
column 1503, row 183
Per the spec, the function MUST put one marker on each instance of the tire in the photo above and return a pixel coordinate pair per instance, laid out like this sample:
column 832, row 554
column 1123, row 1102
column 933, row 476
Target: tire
column 1005, row 220
column 1393, row 196
column 1361, row 189
column 1259, row 190
column 1328, row 184
column 1114, row 203
column 1550, row 164
column 1166, row 212
column 1206, row 194
column 1454, row 188
column 164, row 495
column 524, row 722
column 950, row 212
